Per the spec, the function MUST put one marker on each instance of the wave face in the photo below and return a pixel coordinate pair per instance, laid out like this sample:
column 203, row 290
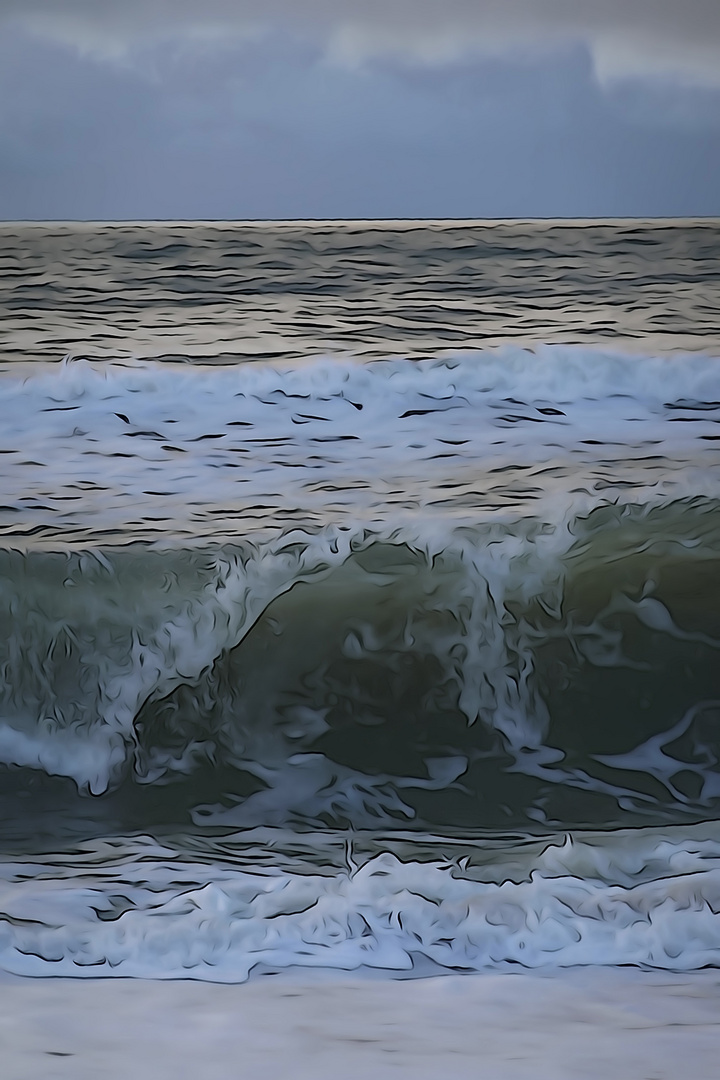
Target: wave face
column 485, row 684
column 386, row 662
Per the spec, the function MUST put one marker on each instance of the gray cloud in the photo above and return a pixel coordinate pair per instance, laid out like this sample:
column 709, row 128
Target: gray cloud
column 326, row 108
column 267, row 131
column 676, row 40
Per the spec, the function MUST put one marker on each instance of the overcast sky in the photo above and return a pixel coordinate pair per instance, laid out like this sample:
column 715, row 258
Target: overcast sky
column 341, row 108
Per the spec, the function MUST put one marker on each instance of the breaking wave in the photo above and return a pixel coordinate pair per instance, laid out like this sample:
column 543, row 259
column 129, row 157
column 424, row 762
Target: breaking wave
column 490, row 609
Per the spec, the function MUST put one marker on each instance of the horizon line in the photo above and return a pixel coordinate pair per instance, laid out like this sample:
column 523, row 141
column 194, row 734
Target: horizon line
column 364, row 220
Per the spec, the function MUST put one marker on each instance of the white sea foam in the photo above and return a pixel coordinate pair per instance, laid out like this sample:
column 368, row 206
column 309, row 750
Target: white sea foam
column 105, row 453
column 623, row 898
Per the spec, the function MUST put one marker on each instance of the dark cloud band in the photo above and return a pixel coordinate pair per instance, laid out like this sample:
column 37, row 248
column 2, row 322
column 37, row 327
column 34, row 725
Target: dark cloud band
column 676, row 39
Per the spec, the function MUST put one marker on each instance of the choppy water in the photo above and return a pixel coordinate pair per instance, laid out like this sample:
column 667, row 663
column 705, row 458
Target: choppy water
column 219, row 293
column 392, row 648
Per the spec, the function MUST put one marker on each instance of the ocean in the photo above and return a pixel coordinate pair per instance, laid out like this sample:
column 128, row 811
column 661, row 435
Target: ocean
column 360, row 597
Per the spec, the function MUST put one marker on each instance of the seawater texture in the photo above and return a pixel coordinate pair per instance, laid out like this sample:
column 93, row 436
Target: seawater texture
column 219, row 293
column 382, row 660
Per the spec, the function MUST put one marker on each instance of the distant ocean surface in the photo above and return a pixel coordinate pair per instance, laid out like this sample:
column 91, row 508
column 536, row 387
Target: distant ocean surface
column 360, row 596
